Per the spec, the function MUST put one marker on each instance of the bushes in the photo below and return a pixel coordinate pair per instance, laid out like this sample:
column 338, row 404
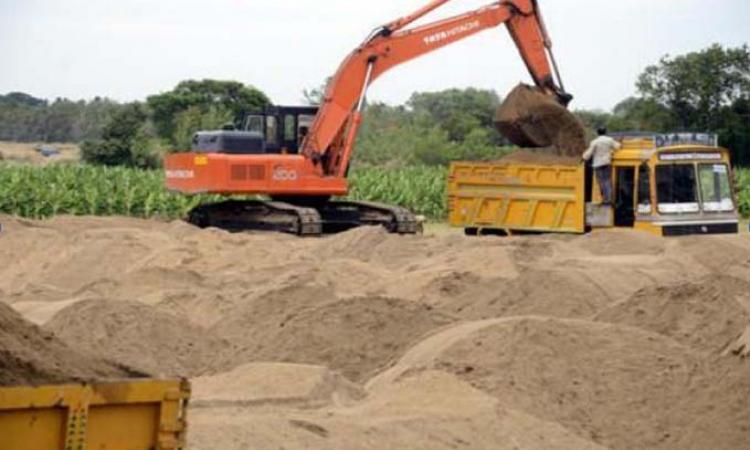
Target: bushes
column 742, row 181
column 457, row 129
column 127, row 140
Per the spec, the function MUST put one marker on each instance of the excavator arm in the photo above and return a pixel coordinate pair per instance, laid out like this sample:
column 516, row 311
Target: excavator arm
column 331, row 138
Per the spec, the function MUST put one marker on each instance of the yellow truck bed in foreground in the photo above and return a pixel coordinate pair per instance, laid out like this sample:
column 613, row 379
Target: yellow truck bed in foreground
column 128, row 415
column 517, row 197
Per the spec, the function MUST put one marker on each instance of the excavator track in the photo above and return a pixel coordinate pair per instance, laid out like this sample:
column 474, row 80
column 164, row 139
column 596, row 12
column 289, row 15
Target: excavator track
column 344, row 215
column 303, row 220
column 244, row 215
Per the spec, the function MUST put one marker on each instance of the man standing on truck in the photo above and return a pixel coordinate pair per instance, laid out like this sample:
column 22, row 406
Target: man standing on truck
column 601, row 149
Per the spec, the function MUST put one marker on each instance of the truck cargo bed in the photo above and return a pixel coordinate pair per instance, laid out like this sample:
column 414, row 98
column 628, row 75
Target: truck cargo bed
column 517, row 197
column 128, row 415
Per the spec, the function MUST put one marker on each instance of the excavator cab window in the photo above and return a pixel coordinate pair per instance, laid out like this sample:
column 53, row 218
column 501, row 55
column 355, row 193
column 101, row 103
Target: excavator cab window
column 272, row 130
column 283, row 127
column 290, row 134
column 254, row 124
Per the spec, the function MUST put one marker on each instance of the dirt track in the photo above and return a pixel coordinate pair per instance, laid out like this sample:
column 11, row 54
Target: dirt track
column 369, row 341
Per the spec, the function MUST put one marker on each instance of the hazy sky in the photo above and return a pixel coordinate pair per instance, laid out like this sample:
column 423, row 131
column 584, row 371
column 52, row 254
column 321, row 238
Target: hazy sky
column 128, row 49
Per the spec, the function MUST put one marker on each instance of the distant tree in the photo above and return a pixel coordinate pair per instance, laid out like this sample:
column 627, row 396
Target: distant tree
column 458, row 111
column 27, row 118
column 594, row 118
column 314, row 96
column 641, row 114
column 21, row 98
column 231, row 96
column 707, row 90
column 60, row 119
column 126, row 140
column 93, row 118
column 696, row 86
column 427, row 131
column 194, row 119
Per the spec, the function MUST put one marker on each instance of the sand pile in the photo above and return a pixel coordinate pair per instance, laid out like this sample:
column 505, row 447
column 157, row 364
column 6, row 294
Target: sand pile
column 355, row 336
column 365, row 340
column 422, row 410
column 741, row 347
column 139, row 336
column 30, row 355
column 556, row 293
column 704, row 315
column 529, row 118
column 261, row 384
column 622, row 243
column 617, row 386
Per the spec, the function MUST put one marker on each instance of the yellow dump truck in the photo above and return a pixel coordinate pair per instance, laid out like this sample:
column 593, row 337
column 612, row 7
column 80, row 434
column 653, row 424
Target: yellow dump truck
column 670, row 185
column 127, row 415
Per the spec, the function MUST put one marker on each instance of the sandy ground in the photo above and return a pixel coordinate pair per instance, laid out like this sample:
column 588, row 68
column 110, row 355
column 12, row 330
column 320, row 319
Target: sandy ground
column 26, row 153
column 614, row 340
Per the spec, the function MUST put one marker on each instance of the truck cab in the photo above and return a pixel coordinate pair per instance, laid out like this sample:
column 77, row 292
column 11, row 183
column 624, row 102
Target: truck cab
column 672, row 185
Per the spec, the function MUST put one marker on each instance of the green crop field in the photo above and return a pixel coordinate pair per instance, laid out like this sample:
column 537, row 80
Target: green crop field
column 37, row 192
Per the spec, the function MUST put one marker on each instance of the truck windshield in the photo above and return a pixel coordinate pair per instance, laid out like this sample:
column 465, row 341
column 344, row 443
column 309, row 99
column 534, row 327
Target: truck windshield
column 715, row 188
column 676, row 189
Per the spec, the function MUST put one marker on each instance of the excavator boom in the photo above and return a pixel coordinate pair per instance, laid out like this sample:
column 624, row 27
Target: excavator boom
column 333, row 132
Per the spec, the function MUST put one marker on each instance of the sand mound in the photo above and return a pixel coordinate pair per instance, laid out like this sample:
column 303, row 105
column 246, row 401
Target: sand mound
column 741, row 346
column 260, row 384
column 358, row 243
column 618, row 386
column 529, row 118
column 30, row 355
column 617, row 355
column 354, row 336
column 704, row 315
column 426, row 410
column 621, row 242
column 554, row 293
column 139, row 336
column 719, row 253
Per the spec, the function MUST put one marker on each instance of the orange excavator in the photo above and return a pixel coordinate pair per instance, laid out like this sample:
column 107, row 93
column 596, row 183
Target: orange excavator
column 300, row 156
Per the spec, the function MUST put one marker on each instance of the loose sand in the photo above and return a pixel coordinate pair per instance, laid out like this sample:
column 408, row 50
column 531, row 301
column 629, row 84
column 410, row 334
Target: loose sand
column 30, row 355
column 364, row 340
column 529, row 118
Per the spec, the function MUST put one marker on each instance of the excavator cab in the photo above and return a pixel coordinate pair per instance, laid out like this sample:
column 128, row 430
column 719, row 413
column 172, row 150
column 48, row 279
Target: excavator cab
column 282, row 128
column 274, row 130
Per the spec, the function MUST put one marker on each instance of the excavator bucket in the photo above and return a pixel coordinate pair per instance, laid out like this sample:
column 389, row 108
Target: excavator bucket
column 530, row 118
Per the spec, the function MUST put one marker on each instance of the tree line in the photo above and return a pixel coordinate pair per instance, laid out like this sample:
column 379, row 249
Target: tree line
column 25, row 118
column 706, row 90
